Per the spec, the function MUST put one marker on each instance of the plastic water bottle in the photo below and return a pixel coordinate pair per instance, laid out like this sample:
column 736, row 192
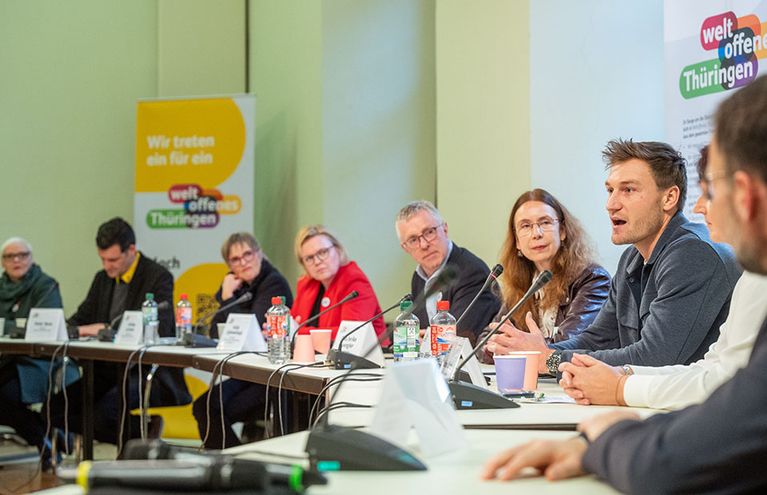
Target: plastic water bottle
column 442, row 331
column 406, row 327
column 278, row 321
column 183, row 317
column 151, row 320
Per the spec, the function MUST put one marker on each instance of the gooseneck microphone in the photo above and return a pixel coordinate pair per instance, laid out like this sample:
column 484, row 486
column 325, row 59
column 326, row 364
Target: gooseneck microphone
column 242, row 299
column 157, row 466
column 108, row 333
column 469, row 396
column 351, row 449
column 344, row 360
column 46, row 294
column 492, row 277
column 352, row 295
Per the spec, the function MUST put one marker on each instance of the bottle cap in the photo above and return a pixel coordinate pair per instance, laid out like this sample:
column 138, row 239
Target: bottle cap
column 149, row 296
column 443, row 305
column 405, row 305
column 276, row 300
column 184, row 295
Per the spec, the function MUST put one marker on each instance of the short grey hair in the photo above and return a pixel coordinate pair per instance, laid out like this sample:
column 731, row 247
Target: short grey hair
column 412, row 208
column 239, row 238
column 16, row 240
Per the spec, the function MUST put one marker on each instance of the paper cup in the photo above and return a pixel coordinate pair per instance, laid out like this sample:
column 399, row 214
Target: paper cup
column 510, row 373
column 320, row 340
column 304, row 352
column 531, row 367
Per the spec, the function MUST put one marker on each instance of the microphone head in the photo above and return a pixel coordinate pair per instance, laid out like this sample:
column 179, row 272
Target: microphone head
column 146, row 449
column 406, row 297
column 543, row 279
column 245, row 297
column 352, row 295
column 496, row 271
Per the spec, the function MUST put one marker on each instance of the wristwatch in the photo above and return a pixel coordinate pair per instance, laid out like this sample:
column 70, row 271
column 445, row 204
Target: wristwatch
column 552, row 362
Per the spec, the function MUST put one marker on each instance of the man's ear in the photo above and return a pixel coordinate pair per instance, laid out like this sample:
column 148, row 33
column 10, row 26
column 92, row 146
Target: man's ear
column 745, row 201
column 671, row 199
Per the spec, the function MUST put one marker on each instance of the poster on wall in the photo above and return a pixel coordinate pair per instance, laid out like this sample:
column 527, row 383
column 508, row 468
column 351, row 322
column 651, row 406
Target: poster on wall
column 194, row 187
column 712, row 47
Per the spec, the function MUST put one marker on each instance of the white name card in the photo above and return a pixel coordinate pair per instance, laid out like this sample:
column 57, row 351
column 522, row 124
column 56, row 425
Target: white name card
column 459, row 349
column 131, row 331
column 46, row 325
column 361, row 342
column 241, row 333
column 415, row 396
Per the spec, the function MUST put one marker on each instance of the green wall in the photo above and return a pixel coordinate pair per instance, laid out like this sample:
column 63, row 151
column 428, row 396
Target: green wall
column 344, row 125
column 72, row 72
column 483, row 124
column 362, row 105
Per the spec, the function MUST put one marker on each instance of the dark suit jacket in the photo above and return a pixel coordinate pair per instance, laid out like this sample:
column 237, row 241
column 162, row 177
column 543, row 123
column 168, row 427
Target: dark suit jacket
column 715, row 447
column 267, row 284
column 471, row 275
column 149, row 277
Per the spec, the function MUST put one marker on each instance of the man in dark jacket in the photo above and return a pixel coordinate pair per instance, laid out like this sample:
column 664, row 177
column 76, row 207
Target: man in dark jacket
column 121, row 286
column 717, row 446
column 423, row 235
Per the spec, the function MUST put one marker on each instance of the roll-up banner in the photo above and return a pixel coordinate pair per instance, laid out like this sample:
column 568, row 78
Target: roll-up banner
column 194, row 186
column 712, row 47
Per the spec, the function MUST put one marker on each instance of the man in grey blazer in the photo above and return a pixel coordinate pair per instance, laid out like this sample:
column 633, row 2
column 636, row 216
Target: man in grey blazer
column 717, row 446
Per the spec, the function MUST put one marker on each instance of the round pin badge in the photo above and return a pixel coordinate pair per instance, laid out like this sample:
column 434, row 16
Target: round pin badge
column 325, row 302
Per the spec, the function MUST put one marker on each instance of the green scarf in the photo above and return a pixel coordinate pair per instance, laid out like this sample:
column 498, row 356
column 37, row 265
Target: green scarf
column 12, row 292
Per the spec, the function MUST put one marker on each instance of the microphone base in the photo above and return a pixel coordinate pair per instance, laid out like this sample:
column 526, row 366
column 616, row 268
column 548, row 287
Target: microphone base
column 343, row 361
column 469, row 396
column 197, row 340
column 347, row 449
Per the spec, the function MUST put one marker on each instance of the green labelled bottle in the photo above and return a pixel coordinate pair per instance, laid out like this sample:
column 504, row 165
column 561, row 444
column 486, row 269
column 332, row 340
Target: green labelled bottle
column 406, row 328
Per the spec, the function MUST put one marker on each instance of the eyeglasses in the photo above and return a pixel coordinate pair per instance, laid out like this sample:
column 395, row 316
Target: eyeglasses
column 317, row 257
column 246, row 257
column 16, row 256
column 546, row 225
column 709, row 180
column 428, row 235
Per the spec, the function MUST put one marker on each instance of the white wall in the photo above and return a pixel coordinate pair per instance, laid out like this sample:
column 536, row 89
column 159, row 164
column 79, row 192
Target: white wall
column 596, row 73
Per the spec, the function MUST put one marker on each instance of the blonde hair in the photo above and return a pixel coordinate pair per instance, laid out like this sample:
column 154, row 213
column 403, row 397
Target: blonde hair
column 310, row 231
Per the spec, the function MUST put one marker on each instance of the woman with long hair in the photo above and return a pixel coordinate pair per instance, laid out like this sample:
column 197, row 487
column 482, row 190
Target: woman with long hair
column 544, row 235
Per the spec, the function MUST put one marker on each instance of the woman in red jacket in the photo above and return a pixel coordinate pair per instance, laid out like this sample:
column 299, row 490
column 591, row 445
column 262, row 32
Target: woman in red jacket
column 330, row 277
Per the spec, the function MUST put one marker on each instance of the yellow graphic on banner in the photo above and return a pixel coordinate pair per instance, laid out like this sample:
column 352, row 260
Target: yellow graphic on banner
column 200, row 282
column 187, row 142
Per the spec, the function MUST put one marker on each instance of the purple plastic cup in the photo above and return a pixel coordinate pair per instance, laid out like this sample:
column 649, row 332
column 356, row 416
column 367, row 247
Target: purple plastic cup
column 510, row 372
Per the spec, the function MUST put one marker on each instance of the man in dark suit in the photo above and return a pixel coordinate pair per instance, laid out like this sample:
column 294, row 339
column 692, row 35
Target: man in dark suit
column 717, row 446
column 423, row 235
column 121, row 286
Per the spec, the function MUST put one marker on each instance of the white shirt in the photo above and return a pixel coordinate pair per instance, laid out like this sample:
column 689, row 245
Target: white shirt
column 431, row 302
column 678, row 386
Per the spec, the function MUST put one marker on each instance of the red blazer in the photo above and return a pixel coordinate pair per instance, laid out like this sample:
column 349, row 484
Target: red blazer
column 361, row 308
